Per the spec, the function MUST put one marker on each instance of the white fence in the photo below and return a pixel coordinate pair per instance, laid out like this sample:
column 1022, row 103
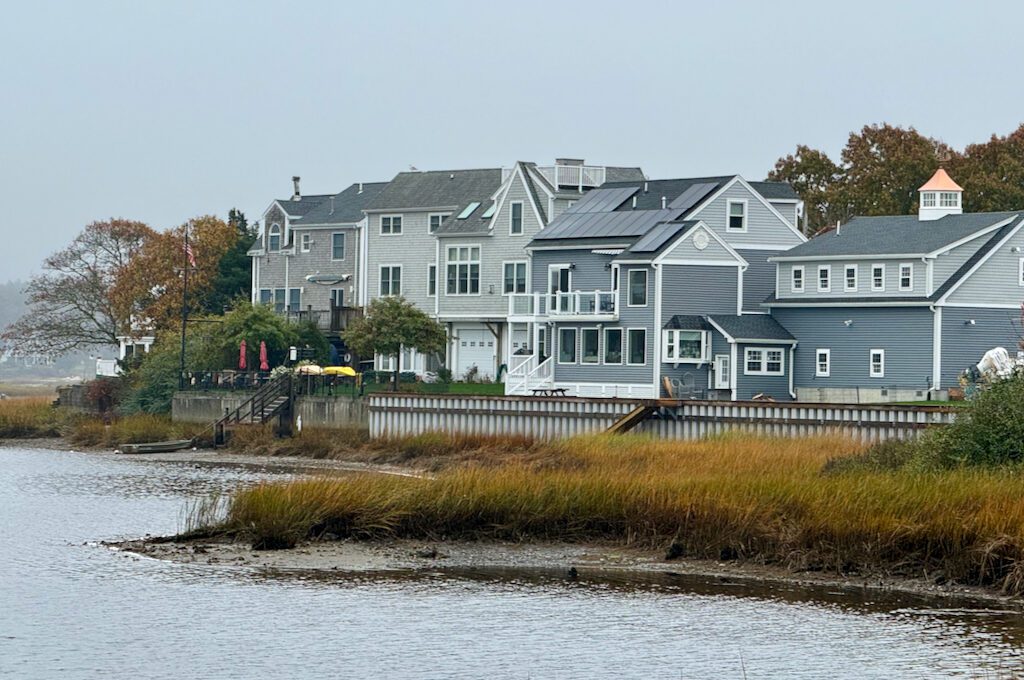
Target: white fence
column 545, row 418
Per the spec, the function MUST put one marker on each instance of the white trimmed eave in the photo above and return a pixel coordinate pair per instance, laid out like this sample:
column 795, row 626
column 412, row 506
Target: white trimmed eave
column 971, row 237
column 979, row 264
column 399, row 211
column 848, row 256
column 663, row 258
column 924, row 302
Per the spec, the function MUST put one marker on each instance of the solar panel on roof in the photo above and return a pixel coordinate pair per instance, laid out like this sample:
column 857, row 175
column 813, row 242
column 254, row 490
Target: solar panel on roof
column 653, row 240
column 602, row 200
column 692, row 196
column 468, row 210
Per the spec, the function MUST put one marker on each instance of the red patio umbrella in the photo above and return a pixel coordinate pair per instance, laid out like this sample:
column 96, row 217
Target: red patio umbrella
column 264, row 364
column 241, row 357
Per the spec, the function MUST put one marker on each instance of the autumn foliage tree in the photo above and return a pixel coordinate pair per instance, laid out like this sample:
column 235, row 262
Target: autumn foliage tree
column 72, row 303
column 882, row 166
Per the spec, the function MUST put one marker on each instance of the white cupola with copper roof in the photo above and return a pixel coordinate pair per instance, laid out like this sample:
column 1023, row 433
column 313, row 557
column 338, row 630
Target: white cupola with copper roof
column 940, row 196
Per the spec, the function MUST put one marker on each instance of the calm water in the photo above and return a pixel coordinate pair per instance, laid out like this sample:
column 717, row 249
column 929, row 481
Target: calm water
column 72, row 609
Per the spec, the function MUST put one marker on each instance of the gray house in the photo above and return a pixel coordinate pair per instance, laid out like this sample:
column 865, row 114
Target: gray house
column 483, row 262
column 895, row 308
column 307, row 259
column 650, row 288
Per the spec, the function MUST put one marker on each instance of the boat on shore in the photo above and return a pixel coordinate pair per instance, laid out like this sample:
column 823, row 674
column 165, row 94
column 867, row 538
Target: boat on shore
column 157, row 447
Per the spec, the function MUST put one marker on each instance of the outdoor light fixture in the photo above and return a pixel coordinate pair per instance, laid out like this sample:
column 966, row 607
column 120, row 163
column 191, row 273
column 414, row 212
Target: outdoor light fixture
column 969, row 322
column 848, row 322
column 572, row 265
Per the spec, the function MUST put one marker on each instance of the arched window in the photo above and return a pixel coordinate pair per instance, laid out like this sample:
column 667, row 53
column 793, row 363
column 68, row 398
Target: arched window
column 274, row 238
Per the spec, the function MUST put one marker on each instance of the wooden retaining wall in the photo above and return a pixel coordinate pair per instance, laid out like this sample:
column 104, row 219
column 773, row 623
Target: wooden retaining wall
column 546, row 418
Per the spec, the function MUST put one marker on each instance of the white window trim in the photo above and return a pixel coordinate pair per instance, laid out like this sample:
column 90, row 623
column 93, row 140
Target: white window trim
column 705, row 347
column 522, row 219
column 622, row 346
column 824, row 268
column 764, row 361
column 933, row 195
column 433, row 215
column 508, row 262
column 596, row 329
column 305, row 241
column 846, row 278
column 871, row 364
column 380, row 225
column 945, row 194
column 874, row 266
column 468, row 263
column 344, row 247
column 401, row 276
column 803, row 279
column 629, row 289
column 576, row 343
column 629, row 345
column 818, row 373
column 900, row 272
column 433, row 266
column 728, row 215
column 275, row 230
column 1020, row 272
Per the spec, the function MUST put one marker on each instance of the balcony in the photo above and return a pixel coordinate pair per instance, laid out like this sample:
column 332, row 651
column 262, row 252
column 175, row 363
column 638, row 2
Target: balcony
column 577, row 177
column 596, row 305
column 328, row 320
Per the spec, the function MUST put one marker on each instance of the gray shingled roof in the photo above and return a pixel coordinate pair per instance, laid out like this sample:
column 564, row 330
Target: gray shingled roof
column 669, row 188
column 346, row 208
column 688, row 322
column 776, row 191
column 302, row 206
column 436, row 189
column 895, row 235
column 752, row 327
column 622, row 174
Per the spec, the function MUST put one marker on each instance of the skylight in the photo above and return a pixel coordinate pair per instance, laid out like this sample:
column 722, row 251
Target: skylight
column 489, row 212
column 469, row 210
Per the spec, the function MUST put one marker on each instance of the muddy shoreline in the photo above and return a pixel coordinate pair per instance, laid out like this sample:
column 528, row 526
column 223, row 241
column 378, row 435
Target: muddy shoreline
column 394, row 555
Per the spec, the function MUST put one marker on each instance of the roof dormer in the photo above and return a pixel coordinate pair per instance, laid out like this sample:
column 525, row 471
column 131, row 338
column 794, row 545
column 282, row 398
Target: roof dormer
column 940, row 196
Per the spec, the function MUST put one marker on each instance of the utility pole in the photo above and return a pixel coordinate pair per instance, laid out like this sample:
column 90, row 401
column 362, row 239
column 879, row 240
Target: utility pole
column 184, row 307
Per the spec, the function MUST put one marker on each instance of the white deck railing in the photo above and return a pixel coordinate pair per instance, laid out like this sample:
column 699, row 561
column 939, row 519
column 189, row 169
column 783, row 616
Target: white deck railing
column 595, row 304
column 579, row 176
column 527, row 375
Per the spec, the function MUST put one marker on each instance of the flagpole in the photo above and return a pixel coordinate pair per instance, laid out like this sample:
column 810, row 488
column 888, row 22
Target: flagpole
column 184, row 309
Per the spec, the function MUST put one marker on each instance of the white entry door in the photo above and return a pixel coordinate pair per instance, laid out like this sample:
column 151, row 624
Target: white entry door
column 722, row 372
column 476, row 348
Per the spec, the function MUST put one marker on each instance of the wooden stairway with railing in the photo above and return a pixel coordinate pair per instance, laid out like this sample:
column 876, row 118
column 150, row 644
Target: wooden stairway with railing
column 632, row 419
column 272, row 400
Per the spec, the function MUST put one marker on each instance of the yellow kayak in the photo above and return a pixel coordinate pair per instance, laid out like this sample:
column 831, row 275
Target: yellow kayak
column 346, row 371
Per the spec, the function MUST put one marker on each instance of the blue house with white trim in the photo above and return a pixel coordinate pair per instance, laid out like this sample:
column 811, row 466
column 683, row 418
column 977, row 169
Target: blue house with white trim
column 655, row 288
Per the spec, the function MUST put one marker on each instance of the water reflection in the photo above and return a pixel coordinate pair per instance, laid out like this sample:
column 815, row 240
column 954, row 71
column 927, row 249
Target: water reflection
column 71, row 608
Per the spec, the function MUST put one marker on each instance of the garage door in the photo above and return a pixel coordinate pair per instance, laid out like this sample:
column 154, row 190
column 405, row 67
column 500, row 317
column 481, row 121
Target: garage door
column 476, row 348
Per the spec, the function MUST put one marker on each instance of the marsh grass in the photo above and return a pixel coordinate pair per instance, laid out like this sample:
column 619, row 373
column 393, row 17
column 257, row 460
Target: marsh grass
column 133, row 429
column 745, row 497
column 29, row 417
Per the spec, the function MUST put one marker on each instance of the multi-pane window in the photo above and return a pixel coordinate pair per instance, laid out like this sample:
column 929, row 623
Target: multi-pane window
column 737, row 216
column 906, row 276
column 307, row 242
column 279, row 300
column 567, row 345
column 590, row 351
column 824, row 278
column 684, row 346
column 338, row 246
column 516, row 218
column 463, row 270
column 878, row 277
column 266, row 296
column 876, row 359
column 949, row 199
column 274, row 238
column 435, row 221
column 613, row 345
column 294, row 299
column 390, row 224
column 337, row 297
column 637, row 338
column 637, row 287
column 798, row 279
column 390, row 280
column 763, row 361
column 822, row 363
column 514, row 277
column 431, row 279
column 851, row 277
column 928, row 199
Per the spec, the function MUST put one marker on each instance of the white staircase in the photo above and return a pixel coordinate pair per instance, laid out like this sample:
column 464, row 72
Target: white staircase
column 529, row 375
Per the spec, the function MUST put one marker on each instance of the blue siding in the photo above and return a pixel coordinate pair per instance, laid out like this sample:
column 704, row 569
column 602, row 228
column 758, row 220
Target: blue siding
column 774, row 386
column 758, row 280
column 602, row 373
column 905, row 333
column 698, row 289
column 590, row 272
column 963, row 344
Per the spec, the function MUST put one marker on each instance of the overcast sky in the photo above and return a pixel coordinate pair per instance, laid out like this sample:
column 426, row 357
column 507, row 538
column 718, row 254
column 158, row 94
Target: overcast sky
column 162, row 111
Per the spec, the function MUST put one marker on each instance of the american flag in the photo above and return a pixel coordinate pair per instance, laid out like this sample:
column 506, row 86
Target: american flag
column 190, row 254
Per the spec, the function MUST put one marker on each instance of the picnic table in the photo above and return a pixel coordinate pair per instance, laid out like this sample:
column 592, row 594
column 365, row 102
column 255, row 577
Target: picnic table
column 549, row 391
